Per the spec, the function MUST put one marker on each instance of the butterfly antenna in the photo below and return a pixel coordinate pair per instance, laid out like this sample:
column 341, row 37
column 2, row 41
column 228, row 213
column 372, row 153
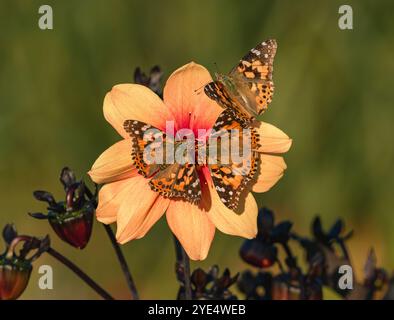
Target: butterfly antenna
column 216, row 67
column 217, row 71
column 198, row 91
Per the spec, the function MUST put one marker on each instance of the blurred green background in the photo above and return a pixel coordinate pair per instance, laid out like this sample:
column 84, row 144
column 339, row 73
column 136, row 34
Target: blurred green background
column 334, row 97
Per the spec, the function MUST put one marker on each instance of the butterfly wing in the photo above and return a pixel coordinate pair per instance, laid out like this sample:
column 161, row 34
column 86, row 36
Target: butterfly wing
column 257, row 64
column 231, row 178
column 169, row 180
column 178, row 181
column 146, row 140
column 253, row 77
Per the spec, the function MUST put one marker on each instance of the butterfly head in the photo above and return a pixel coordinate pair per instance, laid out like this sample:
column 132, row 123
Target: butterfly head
column 227, row 81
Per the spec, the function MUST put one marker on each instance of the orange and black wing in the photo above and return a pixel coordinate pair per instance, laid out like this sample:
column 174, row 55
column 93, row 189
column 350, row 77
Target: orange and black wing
column 146, row 142
column 253, row 76
column 171, row 180
column 231, row 176
column 178, row 181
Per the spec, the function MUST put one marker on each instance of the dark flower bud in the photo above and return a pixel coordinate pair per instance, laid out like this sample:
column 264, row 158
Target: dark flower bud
column 221, row 285
column 284, row 289
column 153, row 81
column 75, row 228
column 209, row 285
column 255, row 287
column 72, row 219
column 280, row 291
column 75, row 196
column 262, row 252
column 295, row 285
column 67, row 178
column 200, row 279
column 258, row 254
column 15, row 268
column 13, row 281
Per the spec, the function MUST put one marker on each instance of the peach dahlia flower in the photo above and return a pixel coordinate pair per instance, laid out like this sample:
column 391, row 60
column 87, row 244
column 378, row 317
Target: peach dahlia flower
column 126, row 197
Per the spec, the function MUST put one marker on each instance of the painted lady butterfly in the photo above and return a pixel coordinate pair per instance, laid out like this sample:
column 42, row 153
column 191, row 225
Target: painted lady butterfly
column 248, row 89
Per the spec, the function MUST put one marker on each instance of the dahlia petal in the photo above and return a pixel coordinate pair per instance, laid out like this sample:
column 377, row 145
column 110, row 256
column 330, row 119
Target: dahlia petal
column 135, row 208
column 184, row 96
column 113, row 164
column 242, row 223
column 192, row 228
column 134, row 102
column 156, row 212
column 270, row 171
column 272, row 139
column 110, row 198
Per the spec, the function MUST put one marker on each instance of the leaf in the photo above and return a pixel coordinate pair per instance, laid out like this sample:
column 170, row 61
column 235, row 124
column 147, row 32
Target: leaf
column 336, row 229
column 317, row 230
column 45, row 196
column 281, row 232
column 9, row 233
column 38, row 215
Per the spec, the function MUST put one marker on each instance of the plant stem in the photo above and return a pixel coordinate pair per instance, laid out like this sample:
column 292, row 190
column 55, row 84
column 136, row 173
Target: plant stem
column 89, row 281
column 292, row 259
column 123, row 263
column 118, row 251
column 280, row 265
column 184, row 264
column 344, row 249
